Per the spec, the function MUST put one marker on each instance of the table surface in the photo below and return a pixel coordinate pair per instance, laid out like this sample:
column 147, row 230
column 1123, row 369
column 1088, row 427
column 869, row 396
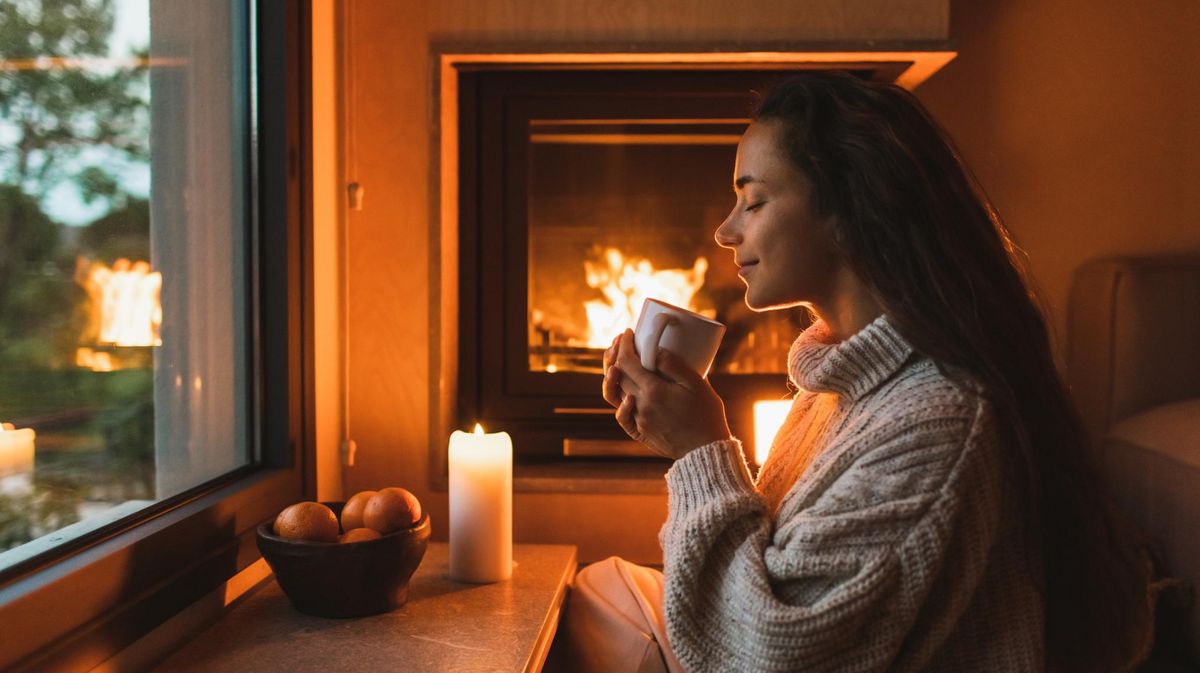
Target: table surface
column 444, row 626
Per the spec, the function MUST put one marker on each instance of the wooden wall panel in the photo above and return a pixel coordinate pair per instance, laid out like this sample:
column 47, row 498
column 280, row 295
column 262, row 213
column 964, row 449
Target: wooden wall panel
column 1082, row 120
column 690, row 20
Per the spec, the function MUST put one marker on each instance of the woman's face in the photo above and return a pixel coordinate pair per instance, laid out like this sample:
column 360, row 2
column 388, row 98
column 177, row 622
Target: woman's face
column 785, row 253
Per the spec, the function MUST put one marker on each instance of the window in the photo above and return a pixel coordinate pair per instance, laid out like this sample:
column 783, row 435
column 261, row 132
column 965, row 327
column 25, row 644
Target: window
column 152, row 298
column 123, row 284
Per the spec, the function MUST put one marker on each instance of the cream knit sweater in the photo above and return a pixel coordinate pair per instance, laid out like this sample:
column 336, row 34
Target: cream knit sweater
column 894, row 550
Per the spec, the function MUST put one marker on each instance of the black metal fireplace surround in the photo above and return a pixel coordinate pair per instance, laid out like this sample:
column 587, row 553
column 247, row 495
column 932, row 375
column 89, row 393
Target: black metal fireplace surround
column 536, row 222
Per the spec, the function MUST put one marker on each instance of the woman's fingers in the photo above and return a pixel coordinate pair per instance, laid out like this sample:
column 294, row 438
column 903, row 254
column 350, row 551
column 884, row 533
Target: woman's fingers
column 631, row 366
column 611, row 388
column 673, row 367
column 625, row 417
column 610, row 354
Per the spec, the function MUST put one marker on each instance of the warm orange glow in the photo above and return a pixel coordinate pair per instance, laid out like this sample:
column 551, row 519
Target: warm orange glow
column 768, row 418
column 97, row 361
column 88, row 63
column 16, row 449
column 125, row 302
column 478, row 429
column 626, row 283
column 917, row 66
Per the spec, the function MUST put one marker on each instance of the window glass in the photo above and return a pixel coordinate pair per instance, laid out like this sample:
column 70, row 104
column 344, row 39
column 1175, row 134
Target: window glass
column 124, row 253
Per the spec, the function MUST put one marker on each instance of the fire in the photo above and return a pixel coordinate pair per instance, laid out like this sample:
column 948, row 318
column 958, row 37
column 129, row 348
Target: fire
column 125, row 301
column 97, row 361
column 626, row 283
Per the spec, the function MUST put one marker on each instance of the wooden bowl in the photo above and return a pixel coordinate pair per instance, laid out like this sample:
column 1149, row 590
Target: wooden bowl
column 345, row 580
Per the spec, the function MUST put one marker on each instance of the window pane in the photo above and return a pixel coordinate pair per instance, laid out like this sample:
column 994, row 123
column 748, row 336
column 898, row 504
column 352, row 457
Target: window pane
column 124, row 220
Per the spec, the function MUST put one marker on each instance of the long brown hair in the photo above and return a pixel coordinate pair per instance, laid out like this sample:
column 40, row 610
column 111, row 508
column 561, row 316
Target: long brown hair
column 913, row 223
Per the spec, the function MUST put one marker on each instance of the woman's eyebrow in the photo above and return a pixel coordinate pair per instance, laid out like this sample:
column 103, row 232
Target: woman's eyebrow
column 742, row 181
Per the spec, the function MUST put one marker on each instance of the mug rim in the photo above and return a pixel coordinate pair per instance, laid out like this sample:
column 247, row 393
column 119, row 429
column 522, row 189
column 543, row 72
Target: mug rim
column 680, row 309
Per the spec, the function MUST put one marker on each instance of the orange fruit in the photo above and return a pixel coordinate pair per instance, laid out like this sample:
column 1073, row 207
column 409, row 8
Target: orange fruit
column 352, row 512
column 392, row 509
column 359, row 535
column 310, row 521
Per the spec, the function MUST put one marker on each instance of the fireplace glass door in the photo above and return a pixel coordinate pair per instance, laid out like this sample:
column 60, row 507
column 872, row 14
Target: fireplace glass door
column 583, row 194
column 623, row 210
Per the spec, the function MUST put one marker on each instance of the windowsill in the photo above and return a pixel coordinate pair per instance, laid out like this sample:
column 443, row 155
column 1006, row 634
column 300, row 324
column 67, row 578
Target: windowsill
column 48, row 542
column 444, row 626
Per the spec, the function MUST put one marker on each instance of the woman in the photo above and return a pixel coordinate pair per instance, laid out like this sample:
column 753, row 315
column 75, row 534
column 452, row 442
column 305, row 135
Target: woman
column 929, row 504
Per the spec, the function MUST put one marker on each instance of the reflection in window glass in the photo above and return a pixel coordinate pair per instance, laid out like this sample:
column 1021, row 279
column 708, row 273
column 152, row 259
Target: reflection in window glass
column 123, row 264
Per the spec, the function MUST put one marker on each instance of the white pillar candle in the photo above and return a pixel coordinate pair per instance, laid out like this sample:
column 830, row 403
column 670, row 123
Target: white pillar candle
column 480, row 506
column 16, row 449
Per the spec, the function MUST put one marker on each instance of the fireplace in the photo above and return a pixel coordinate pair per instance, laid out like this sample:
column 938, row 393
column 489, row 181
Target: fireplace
column 581, row 190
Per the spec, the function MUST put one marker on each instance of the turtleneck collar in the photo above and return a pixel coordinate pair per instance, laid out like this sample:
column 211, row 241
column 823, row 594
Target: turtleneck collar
column 850, row 368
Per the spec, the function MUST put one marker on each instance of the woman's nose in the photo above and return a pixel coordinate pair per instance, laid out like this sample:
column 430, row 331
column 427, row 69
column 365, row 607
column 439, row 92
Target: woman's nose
column 727, row 235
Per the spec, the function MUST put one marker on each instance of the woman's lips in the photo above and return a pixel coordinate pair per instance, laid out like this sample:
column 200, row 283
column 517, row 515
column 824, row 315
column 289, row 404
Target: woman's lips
column 745, row 267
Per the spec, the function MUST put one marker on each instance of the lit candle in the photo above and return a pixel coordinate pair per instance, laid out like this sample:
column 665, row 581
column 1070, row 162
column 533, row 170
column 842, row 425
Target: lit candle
column 480, row 506
column 768, row 418
column 16, row 449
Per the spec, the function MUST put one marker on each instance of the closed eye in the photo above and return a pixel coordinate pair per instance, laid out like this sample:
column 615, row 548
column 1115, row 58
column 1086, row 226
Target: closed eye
column 755, row 206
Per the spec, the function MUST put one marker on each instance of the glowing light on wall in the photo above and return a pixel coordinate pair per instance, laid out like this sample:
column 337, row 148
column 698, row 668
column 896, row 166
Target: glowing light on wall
column 768, row 418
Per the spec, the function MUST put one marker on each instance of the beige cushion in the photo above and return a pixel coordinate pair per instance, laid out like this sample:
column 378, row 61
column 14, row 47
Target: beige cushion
column 1134, row 336
column 1133, row 364
column 1172, row 430
column 1153, row 465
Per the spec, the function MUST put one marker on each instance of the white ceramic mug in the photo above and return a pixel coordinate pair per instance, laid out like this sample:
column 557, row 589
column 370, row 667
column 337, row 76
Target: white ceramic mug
column 690, row 336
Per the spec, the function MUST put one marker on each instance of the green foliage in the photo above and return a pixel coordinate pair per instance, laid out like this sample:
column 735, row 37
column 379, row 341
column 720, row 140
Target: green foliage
column 94, row 182
column 61, row 97
column 37, row 294
column 127, row 421
column 68, row 115
column 45, row 508
column 59, row 108
column 123, row 232
column 27, row 236
column 110, row 456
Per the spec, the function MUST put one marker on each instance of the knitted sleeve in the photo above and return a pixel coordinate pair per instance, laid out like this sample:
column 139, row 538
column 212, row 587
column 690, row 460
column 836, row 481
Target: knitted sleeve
column 840, row 582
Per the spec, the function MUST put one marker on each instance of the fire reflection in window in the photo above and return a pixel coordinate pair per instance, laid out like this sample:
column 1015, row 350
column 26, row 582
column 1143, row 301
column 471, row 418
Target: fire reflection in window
column 123, row 313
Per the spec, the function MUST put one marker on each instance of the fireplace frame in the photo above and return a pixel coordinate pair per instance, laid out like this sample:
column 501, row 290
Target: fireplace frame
column 468, row 294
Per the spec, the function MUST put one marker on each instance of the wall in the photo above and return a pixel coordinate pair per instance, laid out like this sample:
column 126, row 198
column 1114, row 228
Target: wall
column 327, row 235
column 388, row 92
column 1082, row 121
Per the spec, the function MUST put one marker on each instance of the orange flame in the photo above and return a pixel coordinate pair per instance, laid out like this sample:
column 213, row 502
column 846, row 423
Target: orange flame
column 626, row 283
column 125, row 300
column 97, row 361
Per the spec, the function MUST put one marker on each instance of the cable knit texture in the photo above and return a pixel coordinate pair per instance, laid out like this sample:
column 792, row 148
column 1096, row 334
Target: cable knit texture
column 877, row 537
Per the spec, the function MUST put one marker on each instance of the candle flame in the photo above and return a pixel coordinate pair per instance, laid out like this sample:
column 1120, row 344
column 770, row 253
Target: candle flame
column 478, row 429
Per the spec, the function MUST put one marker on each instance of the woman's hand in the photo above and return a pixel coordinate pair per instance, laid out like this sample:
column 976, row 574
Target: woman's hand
column 671, row 413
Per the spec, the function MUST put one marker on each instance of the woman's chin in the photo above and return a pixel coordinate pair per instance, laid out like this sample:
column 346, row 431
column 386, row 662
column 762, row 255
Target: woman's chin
column 755, row 303
column 760, row 303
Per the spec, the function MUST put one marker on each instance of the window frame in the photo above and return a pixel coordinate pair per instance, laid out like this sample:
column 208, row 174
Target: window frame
column 81, row 603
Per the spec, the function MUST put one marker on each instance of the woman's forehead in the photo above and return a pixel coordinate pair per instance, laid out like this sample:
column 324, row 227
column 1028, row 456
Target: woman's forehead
column 758, row 155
